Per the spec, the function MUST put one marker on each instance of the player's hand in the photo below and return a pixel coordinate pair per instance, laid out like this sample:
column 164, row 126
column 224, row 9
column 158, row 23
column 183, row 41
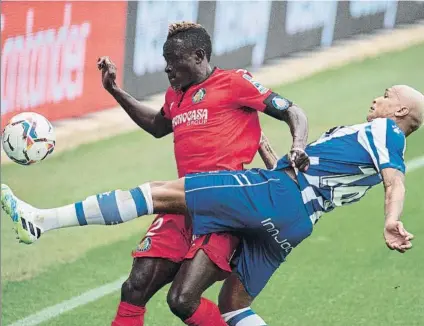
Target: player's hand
column 108, row 69
column 397, row 238
column 299, row 159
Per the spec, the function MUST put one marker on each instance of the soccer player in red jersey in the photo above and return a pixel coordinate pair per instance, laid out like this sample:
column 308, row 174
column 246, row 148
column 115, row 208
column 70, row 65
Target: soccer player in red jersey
column 213, row 114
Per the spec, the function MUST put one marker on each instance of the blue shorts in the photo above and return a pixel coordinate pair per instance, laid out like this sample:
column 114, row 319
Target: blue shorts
column 265, row 206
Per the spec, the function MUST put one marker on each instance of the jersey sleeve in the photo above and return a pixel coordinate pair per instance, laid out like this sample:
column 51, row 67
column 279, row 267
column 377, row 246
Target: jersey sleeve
column 166, row 110
column 247, row 92
column 387, row 143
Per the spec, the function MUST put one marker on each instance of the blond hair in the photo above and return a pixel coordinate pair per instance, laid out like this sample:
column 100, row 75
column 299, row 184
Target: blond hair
column 183, row 26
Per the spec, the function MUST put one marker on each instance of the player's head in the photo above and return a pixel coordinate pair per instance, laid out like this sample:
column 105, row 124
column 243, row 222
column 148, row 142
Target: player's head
column 187, row 52
column 403, row 104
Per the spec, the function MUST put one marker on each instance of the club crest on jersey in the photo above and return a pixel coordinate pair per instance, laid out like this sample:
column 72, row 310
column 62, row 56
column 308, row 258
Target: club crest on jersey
column 199, row 95
column 261, row 89
column 280, row 103
column 396, row 129
column 144, row 245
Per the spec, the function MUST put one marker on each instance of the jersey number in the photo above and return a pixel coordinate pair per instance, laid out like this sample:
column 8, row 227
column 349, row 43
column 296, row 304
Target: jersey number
column 341, row 191
column 156, row 225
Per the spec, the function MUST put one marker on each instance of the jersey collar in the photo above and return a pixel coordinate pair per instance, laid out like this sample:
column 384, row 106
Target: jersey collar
column 202, row 81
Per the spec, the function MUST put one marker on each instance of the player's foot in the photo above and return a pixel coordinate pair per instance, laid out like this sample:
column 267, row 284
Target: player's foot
column 22, row 214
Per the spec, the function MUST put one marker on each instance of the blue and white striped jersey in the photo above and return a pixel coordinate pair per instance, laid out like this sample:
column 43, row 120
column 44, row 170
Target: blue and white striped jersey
column 346, row 161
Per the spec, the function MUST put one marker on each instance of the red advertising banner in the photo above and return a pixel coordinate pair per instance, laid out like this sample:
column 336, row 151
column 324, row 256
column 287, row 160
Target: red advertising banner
column 49, row 52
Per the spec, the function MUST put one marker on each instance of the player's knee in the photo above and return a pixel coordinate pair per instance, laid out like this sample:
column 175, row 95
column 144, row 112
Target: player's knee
column 134, row 290
column 126, row 289
column 182, row 303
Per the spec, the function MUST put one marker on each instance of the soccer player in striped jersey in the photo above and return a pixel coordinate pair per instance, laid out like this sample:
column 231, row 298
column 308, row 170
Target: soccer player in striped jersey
column 276, row 210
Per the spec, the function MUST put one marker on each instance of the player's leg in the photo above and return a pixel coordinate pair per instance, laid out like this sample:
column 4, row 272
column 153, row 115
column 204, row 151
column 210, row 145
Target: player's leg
column 255, row 263
column 235, row 200
column 267, row 202
column 148, row 275
column 109, row 208
column 235, row 304
column 250, row 187
column 258, row 257
column 120, row 206
column 206, row 262
column 156, row 261
column 233, row 296
column 184, row 296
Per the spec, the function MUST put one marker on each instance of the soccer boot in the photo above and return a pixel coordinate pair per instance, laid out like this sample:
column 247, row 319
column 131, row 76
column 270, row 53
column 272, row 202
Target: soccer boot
column 23, row 216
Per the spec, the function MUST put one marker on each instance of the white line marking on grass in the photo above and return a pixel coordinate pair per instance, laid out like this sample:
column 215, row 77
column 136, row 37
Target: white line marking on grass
column 97, row 293
column 68, row 305
column 415, row 164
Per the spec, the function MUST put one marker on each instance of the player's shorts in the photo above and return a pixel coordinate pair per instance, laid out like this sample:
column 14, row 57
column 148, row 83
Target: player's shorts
column 266, row 206
column 219, row 247
column 170, row 237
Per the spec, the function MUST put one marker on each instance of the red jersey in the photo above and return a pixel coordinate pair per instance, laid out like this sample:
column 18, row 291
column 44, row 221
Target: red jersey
column 215, row 123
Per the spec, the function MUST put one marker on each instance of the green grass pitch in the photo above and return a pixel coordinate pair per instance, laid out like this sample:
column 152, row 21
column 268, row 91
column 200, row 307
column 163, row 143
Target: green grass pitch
column 342, row 275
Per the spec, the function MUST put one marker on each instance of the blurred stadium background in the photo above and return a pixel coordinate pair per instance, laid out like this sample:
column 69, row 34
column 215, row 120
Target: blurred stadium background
column 342, row 275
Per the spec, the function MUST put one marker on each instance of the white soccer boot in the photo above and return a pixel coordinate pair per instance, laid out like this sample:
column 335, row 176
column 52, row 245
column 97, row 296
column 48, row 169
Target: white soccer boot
column 23, row 216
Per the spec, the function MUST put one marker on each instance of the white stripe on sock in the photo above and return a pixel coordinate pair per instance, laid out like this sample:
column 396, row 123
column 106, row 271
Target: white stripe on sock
column 92, row 212
column 227, row 316
column 147, row 192
column 251, row 320
column 60, row 217
column 126, row 205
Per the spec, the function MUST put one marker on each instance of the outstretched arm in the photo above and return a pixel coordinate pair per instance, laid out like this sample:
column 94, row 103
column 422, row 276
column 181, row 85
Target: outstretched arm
column 395, row 235
column 267, row 153
column 297, row 121
column 149, row 119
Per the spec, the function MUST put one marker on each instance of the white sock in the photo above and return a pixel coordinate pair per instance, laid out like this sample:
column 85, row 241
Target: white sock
column 243, row 317
column 109, row 208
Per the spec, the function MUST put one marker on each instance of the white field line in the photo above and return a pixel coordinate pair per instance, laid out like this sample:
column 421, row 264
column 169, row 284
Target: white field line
column 97, row 293
column 415, row 164
column 68, row 305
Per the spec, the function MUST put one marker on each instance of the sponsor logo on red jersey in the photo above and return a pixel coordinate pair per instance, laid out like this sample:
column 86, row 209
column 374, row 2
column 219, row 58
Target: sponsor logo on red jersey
column 190, row 118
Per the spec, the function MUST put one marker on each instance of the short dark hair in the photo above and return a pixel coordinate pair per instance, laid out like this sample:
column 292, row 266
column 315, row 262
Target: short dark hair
column 194, row 36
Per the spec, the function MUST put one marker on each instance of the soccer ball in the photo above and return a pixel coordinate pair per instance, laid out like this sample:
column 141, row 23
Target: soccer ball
column 28, row 138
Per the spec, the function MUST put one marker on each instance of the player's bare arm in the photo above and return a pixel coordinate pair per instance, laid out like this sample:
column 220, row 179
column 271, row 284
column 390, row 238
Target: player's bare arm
column 267, row 153
column 297, row 121
column 147, row 118
column 397, row 238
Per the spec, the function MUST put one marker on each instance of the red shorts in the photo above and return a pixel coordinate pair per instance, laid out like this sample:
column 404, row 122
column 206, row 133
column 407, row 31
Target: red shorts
column 170, row 237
